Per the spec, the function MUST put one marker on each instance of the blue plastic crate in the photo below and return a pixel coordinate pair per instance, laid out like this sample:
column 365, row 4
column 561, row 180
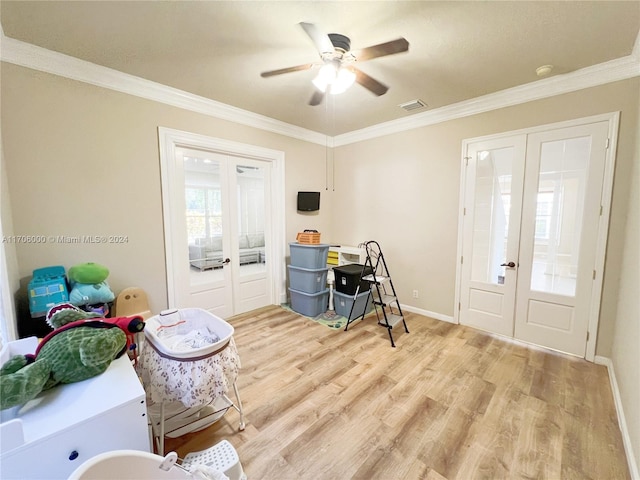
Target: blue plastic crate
column 343, row 303
column 309, row 256
column 309, row 304
column 47, row 288
column 308, row 280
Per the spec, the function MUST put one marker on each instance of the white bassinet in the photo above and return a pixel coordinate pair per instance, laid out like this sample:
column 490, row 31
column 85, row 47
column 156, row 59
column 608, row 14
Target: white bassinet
column 188, row 362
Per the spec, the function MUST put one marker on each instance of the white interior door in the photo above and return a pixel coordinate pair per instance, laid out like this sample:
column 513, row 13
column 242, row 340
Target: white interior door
column 250, row 219
column 493, row 186
column 222, row 204
column 560, row 221
column 202, row 229
column 532, row 206
column 225, row 225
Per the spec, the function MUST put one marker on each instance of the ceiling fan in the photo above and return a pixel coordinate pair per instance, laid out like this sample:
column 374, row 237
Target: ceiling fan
column 337, row 72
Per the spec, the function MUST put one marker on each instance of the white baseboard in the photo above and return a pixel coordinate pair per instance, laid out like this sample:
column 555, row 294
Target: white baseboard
column 427, row 313
column 628, row 448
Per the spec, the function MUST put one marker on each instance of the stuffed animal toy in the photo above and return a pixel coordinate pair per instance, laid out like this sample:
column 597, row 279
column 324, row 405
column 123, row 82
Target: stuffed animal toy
column 89, row 285
column 81, row 346
column 85, row 294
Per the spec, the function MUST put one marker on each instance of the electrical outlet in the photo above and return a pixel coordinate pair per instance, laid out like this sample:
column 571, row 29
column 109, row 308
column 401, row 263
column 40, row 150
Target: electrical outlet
column 415, row 294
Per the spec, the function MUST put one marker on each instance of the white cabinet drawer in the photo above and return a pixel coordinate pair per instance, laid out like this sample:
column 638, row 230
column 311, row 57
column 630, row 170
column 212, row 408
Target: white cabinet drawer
column 58, row 455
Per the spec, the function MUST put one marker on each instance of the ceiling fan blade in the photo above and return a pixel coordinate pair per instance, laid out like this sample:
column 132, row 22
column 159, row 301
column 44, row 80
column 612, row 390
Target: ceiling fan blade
column 316, row 98
column 320, row 39
column 389, row 48
column 297, row 68
column 370, row 83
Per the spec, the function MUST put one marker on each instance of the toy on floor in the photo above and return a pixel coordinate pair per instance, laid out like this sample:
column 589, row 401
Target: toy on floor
column 89, row 285
column 81, row 346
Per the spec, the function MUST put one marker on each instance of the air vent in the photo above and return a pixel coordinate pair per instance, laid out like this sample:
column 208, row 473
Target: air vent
column 413, row 105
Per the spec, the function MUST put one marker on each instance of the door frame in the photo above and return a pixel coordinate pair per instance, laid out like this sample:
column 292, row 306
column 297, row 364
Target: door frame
column 169, row 140
column 613, row 119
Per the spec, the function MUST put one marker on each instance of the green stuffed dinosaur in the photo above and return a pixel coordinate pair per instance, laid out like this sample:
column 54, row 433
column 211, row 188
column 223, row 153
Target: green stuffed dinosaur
column 81, row 346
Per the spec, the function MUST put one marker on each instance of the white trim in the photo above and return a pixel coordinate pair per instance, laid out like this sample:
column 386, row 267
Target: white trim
column 601, row 117
column 626, row 439
column 427, row 313
column 525, row 344
column 38, row 58
column 8, row 318
column 8, row 327
column 612, row 71
column 169, row 139
column 461, row 209
column 603, row 232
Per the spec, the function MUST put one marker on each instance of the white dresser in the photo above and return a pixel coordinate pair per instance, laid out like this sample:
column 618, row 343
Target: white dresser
column 50, row 436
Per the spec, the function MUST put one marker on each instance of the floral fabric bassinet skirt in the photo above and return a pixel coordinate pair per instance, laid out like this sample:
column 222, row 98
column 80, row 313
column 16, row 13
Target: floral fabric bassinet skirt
column 192, row 382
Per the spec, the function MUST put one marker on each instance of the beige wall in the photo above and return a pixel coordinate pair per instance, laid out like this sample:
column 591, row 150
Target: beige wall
column 83, row 160
column 625, row 351
column 403, row 190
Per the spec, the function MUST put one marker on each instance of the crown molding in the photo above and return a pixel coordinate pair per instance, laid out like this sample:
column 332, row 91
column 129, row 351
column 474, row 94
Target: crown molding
column 38, row 58
column 607, row 72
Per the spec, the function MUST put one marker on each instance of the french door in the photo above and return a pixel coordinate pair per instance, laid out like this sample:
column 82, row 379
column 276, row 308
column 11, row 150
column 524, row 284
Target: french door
column 531, row 224
column 219, row 228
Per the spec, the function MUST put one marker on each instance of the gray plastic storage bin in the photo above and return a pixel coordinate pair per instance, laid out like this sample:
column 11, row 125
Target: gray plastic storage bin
column 308, row 280
column 309, row 256
column 342, row 304
column 309, row 304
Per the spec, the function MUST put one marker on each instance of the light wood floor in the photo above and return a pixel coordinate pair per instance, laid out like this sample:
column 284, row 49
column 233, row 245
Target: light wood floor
column 449, row 402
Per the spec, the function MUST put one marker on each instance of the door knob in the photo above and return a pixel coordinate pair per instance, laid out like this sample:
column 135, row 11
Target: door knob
column 510, row 264
column 227, row 260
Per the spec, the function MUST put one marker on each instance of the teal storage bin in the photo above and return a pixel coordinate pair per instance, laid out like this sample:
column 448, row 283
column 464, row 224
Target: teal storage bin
column 309, row 304
column 308, row 280
column 47, row 288
column 309, row 256
column 342, row 303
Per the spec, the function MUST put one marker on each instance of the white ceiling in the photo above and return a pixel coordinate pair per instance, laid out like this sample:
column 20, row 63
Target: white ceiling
column 217, row 49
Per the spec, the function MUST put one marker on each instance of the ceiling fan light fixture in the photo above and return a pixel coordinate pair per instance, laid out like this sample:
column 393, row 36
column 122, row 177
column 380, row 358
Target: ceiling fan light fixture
column 326, row 76
column 334, row 79
column 344, row 79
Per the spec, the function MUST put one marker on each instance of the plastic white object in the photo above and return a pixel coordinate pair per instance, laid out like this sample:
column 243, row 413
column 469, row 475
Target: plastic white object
column 129, row 465
column 222, row 456
column 190, row 319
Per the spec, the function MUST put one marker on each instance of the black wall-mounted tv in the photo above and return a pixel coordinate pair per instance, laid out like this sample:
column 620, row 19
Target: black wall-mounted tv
column 308, row 201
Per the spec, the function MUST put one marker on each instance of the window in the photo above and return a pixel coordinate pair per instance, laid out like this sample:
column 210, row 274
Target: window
column 204, row 212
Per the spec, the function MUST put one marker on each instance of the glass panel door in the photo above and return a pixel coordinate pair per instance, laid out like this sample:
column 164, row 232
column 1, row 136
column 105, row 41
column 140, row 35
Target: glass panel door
column 219, row 216
column 493, row 195
column 251, row 184
column 206, row 221
column 251, row 218
column 530, row 231
column 559, row 212
column 558, row 243
column 203, row 215
column 492, row 205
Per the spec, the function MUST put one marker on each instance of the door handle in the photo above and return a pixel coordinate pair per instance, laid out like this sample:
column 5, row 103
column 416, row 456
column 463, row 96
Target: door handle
column 510, row 265
column 226, row 261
